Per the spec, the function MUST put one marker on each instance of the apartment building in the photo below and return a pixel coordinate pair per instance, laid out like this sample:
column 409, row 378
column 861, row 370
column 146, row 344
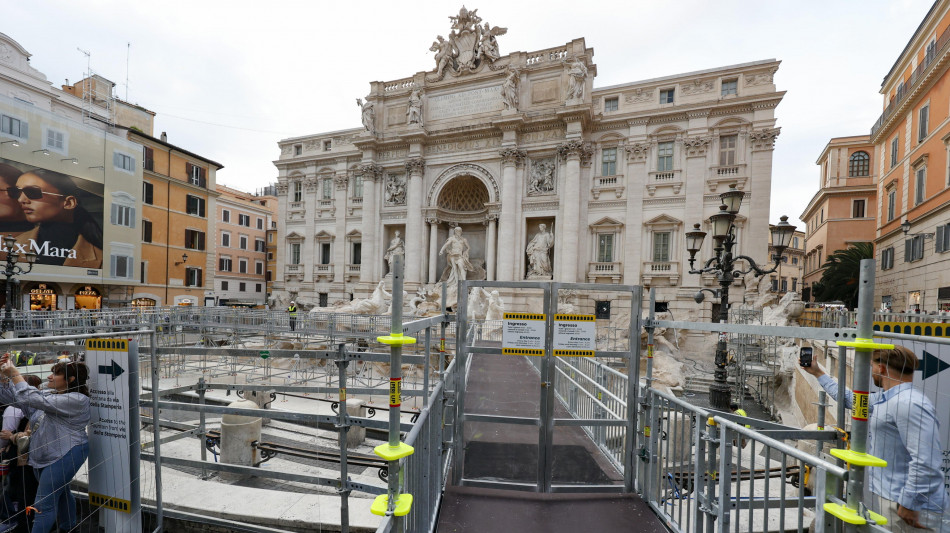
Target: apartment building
column 843, row 211
column 242, row 221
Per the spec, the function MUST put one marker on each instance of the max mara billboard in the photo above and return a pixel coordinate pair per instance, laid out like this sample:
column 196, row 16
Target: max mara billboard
column 55, row 215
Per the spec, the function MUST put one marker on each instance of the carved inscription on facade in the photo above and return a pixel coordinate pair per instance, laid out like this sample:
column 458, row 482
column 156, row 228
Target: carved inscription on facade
column 387, row 155
column 473, row 102
column 544, row 91
column 463, row 146
column 537, row 136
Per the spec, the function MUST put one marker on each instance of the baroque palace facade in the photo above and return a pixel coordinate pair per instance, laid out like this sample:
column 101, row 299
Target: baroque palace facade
column 500, row 146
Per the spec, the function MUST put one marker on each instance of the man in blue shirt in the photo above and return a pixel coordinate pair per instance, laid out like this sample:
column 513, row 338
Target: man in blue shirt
column 903, row 430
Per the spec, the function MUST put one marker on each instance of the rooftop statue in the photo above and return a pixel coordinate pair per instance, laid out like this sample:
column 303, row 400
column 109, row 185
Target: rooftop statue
column 470, row 44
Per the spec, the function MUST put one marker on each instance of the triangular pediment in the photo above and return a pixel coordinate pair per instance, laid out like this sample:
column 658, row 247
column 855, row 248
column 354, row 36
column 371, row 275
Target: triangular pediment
column 607, row 221
column 322, row 235
column 664, row 220
column 294, row 236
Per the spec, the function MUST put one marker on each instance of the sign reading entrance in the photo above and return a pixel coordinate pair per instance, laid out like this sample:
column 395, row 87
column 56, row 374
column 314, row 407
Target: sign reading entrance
column 574, row 335
column 523, row 334
column 113, row 437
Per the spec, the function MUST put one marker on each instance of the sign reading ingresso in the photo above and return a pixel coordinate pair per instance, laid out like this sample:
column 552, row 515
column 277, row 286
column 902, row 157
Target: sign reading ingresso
column 472, row 102
column 523, row 334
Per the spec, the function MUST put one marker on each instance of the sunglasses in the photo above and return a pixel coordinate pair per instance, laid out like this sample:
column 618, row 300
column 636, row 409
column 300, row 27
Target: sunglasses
column 31, row 191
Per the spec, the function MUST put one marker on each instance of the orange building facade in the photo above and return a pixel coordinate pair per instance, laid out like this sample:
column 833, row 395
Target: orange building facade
column 844, row 209
column 241, row 222
column 178, row 225
column 912, row 137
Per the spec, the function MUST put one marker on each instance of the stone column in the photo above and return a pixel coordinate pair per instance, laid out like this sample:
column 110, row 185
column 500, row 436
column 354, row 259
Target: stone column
column 433, row 249
column 636, row 176
column 340, row 182
column 510, row 158
column 414, row 169
column 490, row 244
column 572, row 152
column 759, row 190
column 371, row 174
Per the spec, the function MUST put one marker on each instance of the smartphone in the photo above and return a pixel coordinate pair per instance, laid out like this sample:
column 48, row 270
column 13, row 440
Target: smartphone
column 804, row 357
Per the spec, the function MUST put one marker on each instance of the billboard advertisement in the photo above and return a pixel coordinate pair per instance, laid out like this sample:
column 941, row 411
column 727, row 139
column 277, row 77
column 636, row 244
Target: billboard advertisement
column 54, row 215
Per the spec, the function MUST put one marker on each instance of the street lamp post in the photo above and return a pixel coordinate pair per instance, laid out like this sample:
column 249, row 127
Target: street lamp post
column 12, row 268
column 723, row 264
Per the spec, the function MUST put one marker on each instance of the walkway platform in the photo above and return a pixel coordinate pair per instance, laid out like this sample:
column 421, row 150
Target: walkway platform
column 510, row 386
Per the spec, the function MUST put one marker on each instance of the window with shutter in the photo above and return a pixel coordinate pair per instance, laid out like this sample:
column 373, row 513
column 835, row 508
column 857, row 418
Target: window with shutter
column 146, row 231
column 148, row 192
column 938, row 241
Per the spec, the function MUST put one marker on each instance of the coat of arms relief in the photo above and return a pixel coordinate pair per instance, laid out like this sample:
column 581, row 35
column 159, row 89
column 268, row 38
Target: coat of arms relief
column 470, row 44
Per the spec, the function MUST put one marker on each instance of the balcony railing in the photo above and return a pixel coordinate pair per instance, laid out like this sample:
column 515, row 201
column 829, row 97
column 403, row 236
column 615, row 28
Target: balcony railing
column 608, row 183
column 611, row 270
column 907, row 87
column 322, row 270
column 661, row 269
column 670, row 178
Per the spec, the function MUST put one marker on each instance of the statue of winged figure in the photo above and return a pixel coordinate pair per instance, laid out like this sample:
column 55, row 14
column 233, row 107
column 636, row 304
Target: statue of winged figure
column 444, row 54
column 488, row 45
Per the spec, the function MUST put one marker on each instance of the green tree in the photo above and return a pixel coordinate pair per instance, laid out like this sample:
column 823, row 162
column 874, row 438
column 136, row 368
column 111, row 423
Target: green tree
column 840, row 278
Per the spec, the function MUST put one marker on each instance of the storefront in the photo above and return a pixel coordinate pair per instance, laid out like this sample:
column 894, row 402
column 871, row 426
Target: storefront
column 42, row 298
column 88, row 297
column 143, row 302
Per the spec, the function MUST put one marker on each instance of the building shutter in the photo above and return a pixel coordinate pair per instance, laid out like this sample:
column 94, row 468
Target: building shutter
column 908, row 244
column 132, row 217
column 201, row 241
column 116, row 160
column 939, row 239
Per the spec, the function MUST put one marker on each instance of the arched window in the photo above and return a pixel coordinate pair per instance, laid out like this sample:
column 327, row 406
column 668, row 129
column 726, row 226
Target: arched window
column 859, row 165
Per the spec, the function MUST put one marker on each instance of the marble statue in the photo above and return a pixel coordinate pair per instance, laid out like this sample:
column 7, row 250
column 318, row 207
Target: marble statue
column 368, row 116
column 488, row 45
column 376, row 304
column 496, row 307
column 426, row 302
column 539, row 260
column 395, row 192
column 567, row 302
column 577, row 82
column 469, row 45
column 477, row 304
column 456, row 250
column 443, row 55
column 396, row 247
column 509, row 91
column 542, row 177
column 415, row 107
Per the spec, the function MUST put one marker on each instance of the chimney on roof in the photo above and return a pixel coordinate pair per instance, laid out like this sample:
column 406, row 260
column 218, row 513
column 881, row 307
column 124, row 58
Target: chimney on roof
column 164, row 137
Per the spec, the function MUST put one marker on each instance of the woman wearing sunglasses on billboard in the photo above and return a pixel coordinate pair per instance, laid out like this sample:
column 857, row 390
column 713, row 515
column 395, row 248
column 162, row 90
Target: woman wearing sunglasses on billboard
column 50, row 200
column 12, row 221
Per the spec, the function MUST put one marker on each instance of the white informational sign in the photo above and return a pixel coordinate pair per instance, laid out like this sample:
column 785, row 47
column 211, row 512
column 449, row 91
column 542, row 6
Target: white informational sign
column 523, row 334
column 933, row 379
column 575, row 335
column 113, row 441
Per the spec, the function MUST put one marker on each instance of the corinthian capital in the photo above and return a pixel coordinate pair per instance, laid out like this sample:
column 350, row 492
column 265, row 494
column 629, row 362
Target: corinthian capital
column 371, row 171
column 340, row 180
column 512, row 156
column 416, row 165
column 764, row 139
column 575, row 148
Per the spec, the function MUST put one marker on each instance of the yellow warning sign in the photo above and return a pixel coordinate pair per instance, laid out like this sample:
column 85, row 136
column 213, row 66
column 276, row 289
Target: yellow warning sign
column 646, row 431
column 522, row 351
column 573, row 353
column 860, row 411
column 111, row 345
column 395, row 392
column 101, row 500
column 575, row 318
column 649, row 351
column 524, row 316
column 342, row 394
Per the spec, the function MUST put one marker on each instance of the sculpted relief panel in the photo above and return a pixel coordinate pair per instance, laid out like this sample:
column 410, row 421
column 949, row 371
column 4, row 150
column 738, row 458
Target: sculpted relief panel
column 541, row 179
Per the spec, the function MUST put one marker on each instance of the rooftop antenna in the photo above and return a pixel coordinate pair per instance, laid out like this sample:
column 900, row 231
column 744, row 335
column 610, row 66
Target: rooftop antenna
column 86, row 86
column 128, row 51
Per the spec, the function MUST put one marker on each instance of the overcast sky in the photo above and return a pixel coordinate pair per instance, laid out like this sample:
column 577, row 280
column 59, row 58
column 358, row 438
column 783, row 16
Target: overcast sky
column 229, row 79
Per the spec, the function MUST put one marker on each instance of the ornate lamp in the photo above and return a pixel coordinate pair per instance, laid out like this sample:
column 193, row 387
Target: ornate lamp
column 694, row 241
column 732, row 199
column 721, row 223
column 782, row 235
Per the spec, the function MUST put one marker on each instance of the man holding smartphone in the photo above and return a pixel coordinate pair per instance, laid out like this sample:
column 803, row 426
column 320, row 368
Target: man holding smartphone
column 902, row 430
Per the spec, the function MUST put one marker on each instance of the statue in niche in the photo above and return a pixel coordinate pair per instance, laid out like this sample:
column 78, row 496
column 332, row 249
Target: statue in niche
column 539, row 258
column 414, row 112
column 396, row 247
column 456, row 250
column 577, row 81
column 395, row 193
column 542, row 177
column 368, row 115
column 509, row 91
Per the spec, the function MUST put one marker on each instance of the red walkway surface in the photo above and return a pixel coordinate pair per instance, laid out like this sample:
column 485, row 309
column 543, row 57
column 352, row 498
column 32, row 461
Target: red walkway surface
column 510, row 386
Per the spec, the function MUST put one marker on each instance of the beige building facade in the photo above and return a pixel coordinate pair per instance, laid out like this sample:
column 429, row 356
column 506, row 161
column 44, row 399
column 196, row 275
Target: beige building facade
column 546, row 175
column 241, row 245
